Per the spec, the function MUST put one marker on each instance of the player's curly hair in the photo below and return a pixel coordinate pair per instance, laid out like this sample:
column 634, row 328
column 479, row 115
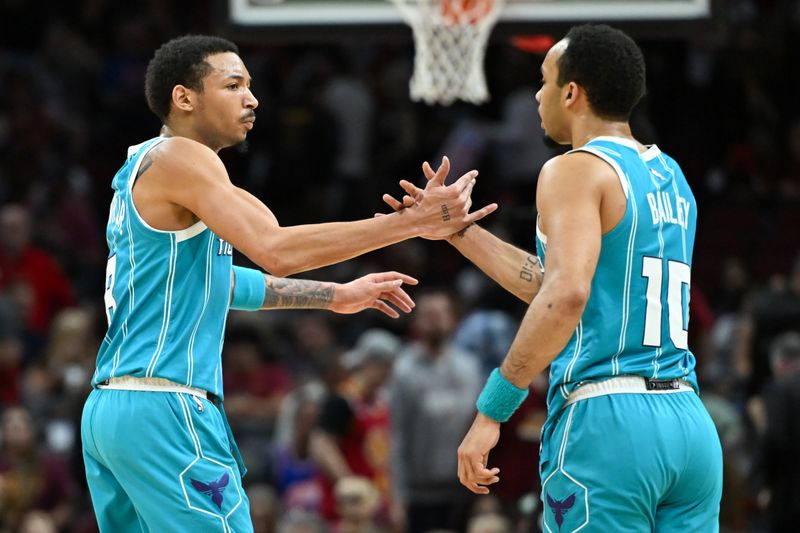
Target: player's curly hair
column 181, row 61
column 608, row 65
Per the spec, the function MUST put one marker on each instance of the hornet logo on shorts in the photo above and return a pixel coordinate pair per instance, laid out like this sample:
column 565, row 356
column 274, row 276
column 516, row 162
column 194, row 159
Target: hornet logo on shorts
column 213, row 489
column 558, row 507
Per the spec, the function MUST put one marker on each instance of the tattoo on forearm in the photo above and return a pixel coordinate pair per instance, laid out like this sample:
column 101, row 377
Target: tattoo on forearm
column 445, row 213
column 531, row 269
column 297, row 293
column 460, row 233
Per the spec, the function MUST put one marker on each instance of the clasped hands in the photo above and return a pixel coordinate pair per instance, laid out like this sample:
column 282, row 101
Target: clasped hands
column 437, row 212
column 441, row 210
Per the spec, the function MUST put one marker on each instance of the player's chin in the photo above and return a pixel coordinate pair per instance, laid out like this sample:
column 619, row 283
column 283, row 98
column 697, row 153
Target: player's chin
column 550, row 142
column 239, row 136
column 237, row 141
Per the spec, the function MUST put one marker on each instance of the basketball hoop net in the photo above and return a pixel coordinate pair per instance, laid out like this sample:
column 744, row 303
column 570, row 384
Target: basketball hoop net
column 450, row 38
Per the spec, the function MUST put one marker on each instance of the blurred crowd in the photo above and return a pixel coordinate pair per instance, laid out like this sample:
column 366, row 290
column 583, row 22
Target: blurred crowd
column 350, row 424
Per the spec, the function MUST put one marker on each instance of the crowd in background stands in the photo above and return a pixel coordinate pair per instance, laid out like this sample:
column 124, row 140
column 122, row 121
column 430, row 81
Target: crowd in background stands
column 350, row 423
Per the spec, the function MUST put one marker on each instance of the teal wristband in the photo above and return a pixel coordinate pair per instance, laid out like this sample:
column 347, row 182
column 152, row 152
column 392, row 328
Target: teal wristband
column 499, row 397
column 248, row 289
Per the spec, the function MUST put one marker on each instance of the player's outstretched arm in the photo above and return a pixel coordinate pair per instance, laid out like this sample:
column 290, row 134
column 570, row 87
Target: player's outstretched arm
column 373, row 291
column 193, row 177
column 574, row 237
column 517, row 271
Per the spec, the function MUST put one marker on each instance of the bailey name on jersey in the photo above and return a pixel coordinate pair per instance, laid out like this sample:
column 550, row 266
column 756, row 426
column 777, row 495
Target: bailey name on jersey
column 661, row 209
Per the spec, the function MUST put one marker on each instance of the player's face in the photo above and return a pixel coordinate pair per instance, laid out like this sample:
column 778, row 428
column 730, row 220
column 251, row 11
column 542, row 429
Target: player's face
column 551, row 97
column 226, row 106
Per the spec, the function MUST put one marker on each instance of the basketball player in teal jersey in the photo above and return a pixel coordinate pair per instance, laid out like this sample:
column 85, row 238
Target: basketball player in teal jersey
column 158, row 451
column 627, row 445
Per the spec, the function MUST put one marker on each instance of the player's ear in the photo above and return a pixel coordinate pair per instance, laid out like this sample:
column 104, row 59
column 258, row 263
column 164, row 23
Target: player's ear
column 571, row 91
column 183, row 98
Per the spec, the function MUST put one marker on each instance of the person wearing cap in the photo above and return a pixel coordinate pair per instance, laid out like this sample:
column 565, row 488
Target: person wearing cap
column 352, row 432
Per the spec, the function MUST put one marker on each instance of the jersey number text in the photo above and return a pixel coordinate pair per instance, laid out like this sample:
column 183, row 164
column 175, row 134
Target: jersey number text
column 678, row 275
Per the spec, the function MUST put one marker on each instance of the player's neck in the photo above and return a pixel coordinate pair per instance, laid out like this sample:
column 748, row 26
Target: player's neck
column 183, row 130
column 592, row 128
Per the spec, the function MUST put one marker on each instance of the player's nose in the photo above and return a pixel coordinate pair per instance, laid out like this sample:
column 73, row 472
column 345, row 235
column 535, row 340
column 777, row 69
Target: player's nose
column 251, row 102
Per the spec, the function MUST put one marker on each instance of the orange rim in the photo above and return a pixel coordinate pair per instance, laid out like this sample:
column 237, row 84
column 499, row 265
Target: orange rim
column 465, row 11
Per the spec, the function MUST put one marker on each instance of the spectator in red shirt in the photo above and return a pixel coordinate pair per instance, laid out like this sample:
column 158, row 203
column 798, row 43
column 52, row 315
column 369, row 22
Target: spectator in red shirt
column 31, row 275
column 352, row 432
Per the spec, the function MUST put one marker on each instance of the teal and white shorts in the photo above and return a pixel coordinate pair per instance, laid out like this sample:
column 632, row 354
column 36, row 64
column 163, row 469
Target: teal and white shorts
column 632, row 462
column 161, row 462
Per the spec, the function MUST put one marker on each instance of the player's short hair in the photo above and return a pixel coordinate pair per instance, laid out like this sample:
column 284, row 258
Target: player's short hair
column 181, row 61
column 608, row 65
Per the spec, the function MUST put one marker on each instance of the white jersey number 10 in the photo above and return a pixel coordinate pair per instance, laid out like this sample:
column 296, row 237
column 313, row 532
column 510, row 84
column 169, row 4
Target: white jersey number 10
column 678, row 275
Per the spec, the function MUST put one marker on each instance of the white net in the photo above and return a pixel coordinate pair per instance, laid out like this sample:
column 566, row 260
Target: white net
column 450, row 38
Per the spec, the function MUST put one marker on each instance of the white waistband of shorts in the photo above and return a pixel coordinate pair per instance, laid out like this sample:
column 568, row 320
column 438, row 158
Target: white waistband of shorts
column 623, row 385
column 149, row 385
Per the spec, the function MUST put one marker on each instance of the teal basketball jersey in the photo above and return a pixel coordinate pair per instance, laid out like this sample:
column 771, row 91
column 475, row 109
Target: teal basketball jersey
column 167, row 294
column 636, row 319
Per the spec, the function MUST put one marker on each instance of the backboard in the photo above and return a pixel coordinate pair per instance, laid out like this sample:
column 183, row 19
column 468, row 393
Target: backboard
column 283, row 13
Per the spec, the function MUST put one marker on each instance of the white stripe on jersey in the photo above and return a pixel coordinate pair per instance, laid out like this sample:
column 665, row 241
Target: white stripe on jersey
column 132, row 262
column 116, row 355
column 218, row 371
column 173, row 259
column 575, row 354
column 206, row 295
column 658, row 352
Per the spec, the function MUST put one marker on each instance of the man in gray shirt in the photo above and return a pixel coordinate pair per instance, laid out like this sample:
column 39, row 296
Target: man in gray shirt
column 433, row 389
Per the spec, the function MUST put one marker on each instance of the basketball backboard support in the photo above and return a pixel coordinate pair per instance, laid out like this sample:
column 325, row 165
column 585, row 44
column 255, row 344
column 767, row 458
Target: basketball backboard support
column 307, row 13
